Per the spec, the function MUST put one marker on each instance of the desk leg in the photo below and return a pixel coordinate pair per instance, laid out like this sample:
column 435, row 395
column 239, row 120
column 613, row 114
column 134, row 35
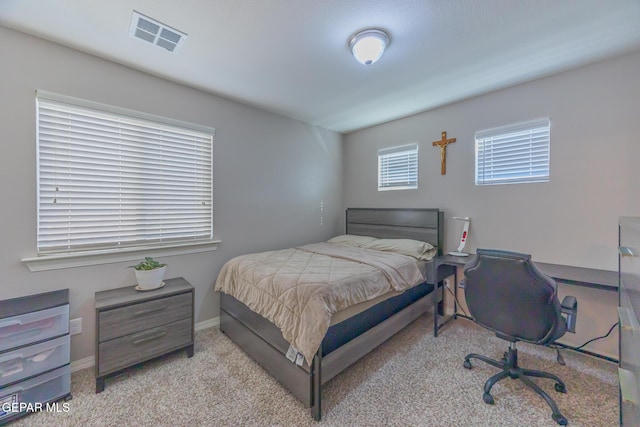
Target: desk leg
column 438, row 309
column 438, row 300
column 438, row 306
column 436, row 303
column 455, row 294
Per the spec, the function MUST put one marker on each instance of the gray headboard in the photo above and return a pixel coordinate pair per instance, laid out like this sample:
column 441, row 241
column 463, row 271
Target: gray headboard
column 394, row 223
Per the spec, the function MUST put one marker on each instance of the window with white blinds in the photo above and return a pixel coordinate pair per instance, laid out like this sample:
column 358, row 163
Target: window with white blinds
column 398, row 168
column 513, row 154
column 111, row 179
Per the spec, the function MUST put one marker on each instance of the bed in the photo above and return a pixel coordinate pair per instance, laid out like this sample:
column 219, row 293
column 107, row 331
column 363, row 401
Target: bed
column 352, row 333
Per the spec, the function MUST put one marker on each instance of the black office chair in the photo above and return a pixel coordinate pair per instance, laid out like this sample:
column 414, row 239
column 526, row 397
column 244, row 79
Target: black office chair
column 508, row 295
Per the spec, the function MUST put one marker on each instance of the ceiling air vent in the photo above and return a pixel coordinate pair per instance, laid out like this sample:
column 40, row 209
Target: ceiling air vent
column 155, row 32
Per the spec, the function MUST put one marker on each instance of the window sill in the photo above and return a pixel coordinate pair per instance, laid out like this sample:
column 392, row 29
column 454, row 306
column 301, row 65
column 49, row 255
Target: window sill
column 57, row 262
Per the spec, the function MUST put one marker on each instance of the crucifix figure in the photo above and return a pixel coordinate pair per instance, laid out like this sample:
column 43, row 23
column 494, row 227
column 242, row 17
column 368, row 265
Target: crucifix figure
column 443, row 151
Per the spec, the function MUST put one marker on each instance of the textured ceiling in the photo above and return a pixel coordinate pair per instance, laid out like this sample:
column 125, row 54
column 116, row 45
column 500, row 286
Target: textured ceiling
column 291, row 56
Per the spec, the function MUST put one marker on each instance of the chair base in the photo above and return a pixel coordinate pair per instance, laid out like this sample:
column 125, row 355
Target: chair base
column 510, row 368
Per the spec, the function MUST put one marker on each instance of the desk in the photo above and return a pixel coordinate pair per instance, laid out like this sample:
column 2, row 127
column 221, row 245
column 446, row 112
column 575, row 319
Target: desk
column 576, row 276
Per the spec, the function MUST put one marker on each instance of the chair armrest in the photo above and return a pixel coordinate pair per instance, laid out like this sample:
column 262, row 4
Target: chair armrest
column 569, row 307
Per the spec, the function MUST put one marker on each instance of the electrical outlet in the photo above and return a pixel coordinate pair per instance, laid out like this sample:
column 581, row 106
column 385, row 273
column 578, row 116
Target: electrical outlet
column 75, row 326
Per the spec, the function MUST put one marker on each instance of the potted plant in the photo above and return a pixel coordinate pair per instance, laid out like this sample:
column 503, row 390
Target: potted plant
column 149, row 274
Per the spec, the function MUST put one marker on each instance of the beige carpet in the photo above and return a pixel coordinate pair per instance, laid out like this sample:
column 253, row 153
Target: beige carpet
column 412, row 379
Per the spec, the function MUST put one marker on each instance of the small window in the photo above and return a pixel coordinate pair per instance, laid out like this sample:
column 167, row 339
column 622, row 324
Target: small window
column 110, row 178
column 398, row 168
column 513, row 154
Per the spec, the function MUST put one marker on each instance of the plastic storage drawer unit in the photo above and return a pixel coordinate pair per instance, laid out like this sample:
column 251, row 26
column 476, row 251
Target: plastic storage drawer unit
column 34, row 354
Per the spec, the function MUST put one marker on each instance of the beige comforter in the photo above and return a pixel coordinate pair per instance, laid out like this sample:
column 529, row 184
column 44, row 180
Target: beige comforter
column 299, row 289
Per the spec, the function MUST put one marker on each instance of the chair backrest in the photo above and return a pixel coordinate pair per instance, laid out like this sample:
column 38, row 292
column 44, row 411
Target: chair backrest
column 507, row 294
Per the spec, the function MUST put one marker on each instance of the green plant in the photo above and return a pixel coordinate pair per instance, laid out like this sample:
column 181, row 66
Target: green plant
column 148, row 264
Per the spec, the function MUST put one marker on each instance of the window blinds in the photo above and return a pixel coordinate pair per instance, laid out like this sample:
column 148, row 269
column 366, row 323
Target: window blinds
column 515, row 153
column 108, row 180
column 398, row 168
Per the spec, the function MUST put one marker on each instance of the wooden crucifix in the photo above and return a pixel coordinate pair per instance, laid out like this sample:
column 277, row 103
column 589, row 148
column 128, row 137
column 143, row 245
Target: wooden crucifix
column 443, row 151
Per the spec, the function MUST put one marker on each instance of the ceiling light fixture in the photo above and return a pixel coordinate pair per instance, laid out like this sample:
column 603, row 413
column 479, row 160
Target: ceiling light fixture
column 368, row 45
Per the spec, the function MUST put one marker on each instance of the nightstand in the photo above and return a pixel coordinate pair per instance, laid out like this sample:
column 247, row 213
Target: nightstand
column 135, row 326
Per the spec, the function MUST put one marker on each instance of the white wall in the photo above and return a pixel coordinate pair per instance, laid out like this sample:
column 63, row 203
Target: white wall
column 572, row 220
column 271, row 173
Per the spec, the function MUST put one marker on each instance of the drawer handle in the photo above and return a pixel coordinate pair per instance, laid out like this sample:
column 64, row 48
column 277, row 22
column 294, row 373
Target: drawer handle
column 625, row 319
column 10, row 323
column 628, row 386
column 625, row 251
column 149, row 310
column 149, row 338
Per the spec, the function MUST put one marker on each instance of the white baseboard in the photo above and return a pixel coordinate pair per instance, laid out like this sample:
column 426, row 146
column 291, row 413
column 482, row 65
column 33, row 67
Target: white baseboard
column 206, row 324
column 90, row 361
column 78, row 365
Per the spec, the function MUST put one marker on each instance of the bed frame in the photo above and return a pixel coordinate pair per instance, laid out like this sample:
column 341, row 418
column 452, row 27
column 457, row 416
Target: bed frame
column 263, row 341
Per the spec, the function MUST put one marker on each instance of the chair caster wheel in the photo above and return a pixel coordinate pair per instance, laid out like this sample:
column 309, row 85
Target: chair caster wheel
column 560, row 388
column 467, row 364
column 488, row 399
column 560, row 419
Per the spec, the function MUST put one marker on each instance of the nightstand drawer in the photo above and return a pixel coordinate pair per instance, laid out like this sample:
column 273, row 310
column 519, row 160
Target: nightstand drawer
column 118, row 322
column 126, row 351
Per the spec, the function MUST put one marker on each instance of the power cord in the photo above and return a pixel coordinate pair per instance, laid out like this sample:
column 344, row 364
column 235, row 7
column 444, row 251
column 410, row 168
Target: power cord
column 455, row 297
column 597, row 338
column 559, row 357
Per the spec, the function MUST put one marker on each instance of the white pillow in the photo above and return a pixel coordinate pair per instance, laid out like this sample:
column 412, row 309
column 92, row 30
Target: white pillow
column 351, row 240
column 414, row 248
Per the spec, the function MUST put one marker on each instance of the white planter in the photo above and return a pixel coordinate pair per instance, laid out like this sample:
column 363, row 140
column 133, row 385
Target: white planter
column 150, row 279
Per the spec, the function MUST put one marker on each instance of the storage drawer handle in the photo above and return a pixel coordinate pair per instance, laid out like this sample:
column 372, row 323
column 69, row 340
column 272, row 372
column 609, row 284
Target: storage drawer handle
column 10, row 323
column 149, row 338
column 149, row 310
column 625, row 251
column 625, row 319
column 628, row 386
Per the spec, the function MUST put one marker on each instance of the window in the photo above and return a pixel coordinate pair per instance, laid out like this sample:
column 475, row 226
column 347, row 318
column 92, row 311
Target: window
column 398, row 168
column 110, row 178
column 513, row 154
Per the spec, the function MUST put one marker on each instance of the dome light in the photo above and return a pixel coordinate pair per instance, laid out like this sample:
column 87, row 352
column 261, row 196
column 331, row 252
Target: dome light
column 368, row 45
